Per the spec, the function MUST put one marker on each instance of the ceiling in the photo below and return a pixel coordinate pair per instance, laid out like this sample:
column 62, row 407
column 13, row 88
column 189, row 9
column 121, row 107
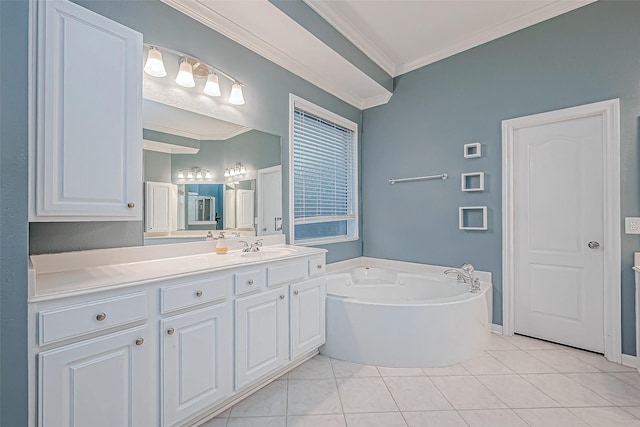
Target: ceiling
column 398, row 35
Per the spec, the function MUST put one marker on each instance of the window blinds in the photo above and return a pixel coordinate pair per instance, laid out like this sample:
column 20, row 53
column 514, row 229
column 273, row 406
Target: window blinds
column 323, row 168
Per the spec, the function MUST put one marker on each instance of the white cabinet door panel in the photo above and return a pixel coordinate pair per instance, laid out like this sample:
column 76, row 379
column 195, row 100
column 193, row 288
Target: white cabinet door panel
column 158, row 207
column 102, row 382
column 307, row 316
column 196, row 361
column 261, row 335
column 89, row 136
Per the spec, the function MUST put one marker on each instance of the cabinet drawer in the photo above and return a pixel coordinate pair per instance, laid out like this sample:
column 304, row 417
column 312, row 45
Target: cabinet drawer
column 317, row 266
column 248, row 281
column 194, row 292
column 284, row 273
column 77, row 320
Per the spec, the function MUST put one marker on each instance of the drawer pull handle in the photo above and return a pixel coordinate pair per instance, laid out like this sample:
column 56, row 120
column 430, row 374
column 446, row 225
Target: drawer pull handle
column 281, row 296
column 199, row 294
column 101, row 316
column 296, row 292
column 131, row 205
column 170, row 331
column 250, row 282
column 139, row 341
column 319, row 266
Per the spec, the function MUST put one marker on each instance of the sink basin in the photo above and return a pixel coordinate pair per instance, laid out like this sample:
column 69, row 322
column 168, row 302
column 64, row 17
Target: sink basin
column 264, row 253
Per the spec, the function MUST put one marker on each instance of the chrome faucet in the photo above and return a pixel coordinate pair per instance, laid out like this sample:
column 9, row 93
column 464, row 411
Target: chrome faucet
column 254, row 247
column 465, row 275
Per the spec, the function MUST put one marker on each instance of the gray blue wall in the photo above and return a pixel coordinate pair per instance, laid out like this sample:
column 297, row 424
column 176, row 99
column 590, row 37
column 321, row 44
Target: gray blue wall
column 13, row 212
column 157, row 166
column 588, row 55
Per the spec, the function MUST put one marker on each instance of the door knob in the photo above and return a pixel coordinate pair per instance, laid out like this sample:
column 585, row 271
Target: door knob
column 593, row 245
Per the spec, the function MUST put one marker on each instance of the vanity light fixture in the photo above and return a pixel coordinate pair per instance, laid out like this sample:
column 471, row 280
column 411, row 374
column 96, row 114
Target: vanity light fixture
column 212, row 87
column 236, row 97
column 154, row 65
column 192, row 68
column 195, row 173
column 185, row 74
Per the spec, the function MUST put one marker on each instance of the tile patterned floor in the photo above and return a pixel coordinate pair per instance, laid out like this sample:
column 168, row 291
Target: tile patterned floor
column 517, row 381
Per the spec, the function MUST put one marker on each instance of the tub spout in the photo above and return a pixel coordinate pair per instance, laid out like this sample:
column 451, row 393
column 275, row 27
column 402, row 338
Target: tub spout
column 465, row 274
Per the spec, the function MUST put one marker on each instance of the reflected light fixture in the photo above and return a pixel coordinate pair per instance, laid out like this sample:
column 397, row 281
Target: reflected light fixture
column 212, row 88
column 185, row 74
column 191, row 68
column 154, row 65
column 236, row 97
column 180, row 175
column 235, row 170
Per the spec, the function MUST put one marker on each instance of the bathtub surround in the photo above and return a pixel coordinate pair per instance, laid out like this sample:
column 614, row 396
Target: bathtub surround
column 574, row 59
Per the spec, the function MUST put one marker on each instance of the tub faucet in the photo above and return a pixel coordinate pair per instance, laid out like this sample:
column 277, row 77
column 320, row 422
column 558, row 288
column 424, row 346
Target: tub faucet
column 465, row 275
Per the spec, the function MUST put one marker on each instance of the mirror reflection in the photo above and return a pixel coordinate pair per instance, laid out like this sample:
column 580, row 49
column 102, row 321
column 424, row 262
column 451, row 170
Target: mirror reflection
column 204, row 174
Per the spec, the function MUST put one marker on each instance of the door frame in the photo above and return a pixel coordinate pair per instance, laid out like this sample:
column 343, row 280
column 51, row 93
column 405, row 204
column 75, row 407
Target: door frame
column 610, row 112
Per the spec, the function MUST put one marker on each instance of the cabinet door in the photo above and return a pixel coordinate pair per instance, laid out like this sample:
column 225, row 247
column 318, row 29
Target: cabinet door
column 244, row 208
column 103, row 382
column 158, row 206
column 261, row 335
column 307, row 316
column 197, row 364
column 88, row 151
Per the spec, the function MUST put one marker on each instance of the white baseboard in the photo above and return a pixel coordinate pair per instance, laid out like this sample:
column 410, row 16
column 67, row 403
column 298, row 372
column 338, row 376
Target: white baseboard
column 628, row 360
column 496, row 329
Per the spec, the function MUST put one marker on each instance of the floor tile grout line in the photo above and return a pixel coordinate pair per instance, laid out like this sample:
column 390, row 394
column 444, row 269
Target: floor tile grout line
column 335, row 381
column 392, row 397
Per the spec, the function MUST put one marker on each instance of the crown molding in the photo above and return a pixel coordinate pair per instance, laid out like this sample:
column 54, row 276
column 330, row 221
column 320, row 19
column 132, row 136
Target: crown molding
column 197, row 136
column 216, row 21
column 163, row 147
column 328, row 12
column 523, row 21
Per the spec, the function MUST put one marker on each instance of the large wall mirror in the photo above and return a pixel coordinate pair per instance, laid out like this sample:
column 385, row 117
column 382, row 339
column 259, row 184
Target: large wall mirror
column 205, row 174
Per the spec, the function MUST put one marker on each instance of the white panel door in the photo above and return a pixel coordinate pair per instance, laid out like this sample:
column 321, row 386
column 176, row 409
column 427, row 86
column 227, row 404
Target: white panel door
column 262, row 330
column 89, row 132
column 229, row 209
column 558, row 223
column 245, row 208
column 269, row 187
column 197, row 362
column 307, row 316
column 102, row 382
column 158, row 206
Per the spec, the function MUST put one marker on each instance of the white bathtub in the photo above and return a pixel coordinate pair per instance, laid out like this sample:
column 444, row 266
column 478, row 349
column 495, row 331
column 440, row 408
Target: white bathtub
column 397, row 314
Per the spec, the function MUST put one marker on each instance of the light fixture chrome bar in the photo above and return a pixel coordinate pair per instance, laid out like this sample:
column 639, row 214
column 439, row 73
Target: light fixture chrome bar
column 419, row 178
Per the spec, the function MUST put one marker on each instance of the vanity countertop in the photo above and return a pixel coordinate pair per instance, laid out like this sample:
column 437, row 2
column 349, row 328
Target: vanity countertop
column 53, row 276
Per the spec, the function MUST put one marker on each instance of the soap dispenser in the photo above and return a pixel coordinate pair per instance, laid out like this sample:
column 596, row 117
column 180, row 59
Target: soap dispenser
column 221, row 246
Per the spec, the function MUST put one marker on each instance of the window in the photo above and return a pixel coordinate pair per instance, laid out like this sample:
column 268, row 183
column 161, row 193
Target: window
column 324, row 180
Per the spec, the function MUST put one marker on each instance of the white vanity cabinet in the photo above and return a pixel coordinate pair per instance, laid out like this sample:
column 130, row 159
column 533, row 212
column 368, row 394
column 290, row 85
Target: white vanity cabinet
column 307, row 313
column 174, row 348
column 262, row 328
column 86, row 160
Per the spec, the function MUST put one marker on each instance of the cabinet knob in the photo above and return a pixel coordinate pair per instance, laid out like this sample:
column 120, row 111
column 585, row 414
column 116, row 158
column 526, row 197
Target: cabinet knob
column 131, row 205
column 170, row 331
column 139, row 341
column 281, row 296
column 199, row 294
column 296, row 292
column 101, row 316
column 319, row 266
column 250, row 282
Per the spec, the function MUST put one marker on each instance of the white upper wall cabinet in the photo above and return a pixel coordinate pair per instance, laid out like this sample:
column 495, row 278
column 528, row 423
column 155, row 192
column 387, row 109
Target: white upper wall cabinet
column 86, row 160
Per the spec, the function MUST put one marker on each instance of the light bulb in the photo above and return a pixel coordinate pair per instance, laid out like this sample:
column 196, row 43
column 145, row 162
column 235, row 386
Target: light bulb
column 199, row 175
column 232, row 171
column 189, row 175
column 181, row 175
column 154, row 65
column 226, row 172
column 236, row 97
column 243, row 169
column 207, row 175
column 237, row 170
column 212, row 88
column 185, row 74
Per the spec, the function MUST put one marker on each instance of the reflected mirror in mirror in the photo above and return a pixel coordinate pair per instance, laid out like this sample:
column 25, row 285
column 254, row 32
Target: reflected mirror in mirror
column 190, row 154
